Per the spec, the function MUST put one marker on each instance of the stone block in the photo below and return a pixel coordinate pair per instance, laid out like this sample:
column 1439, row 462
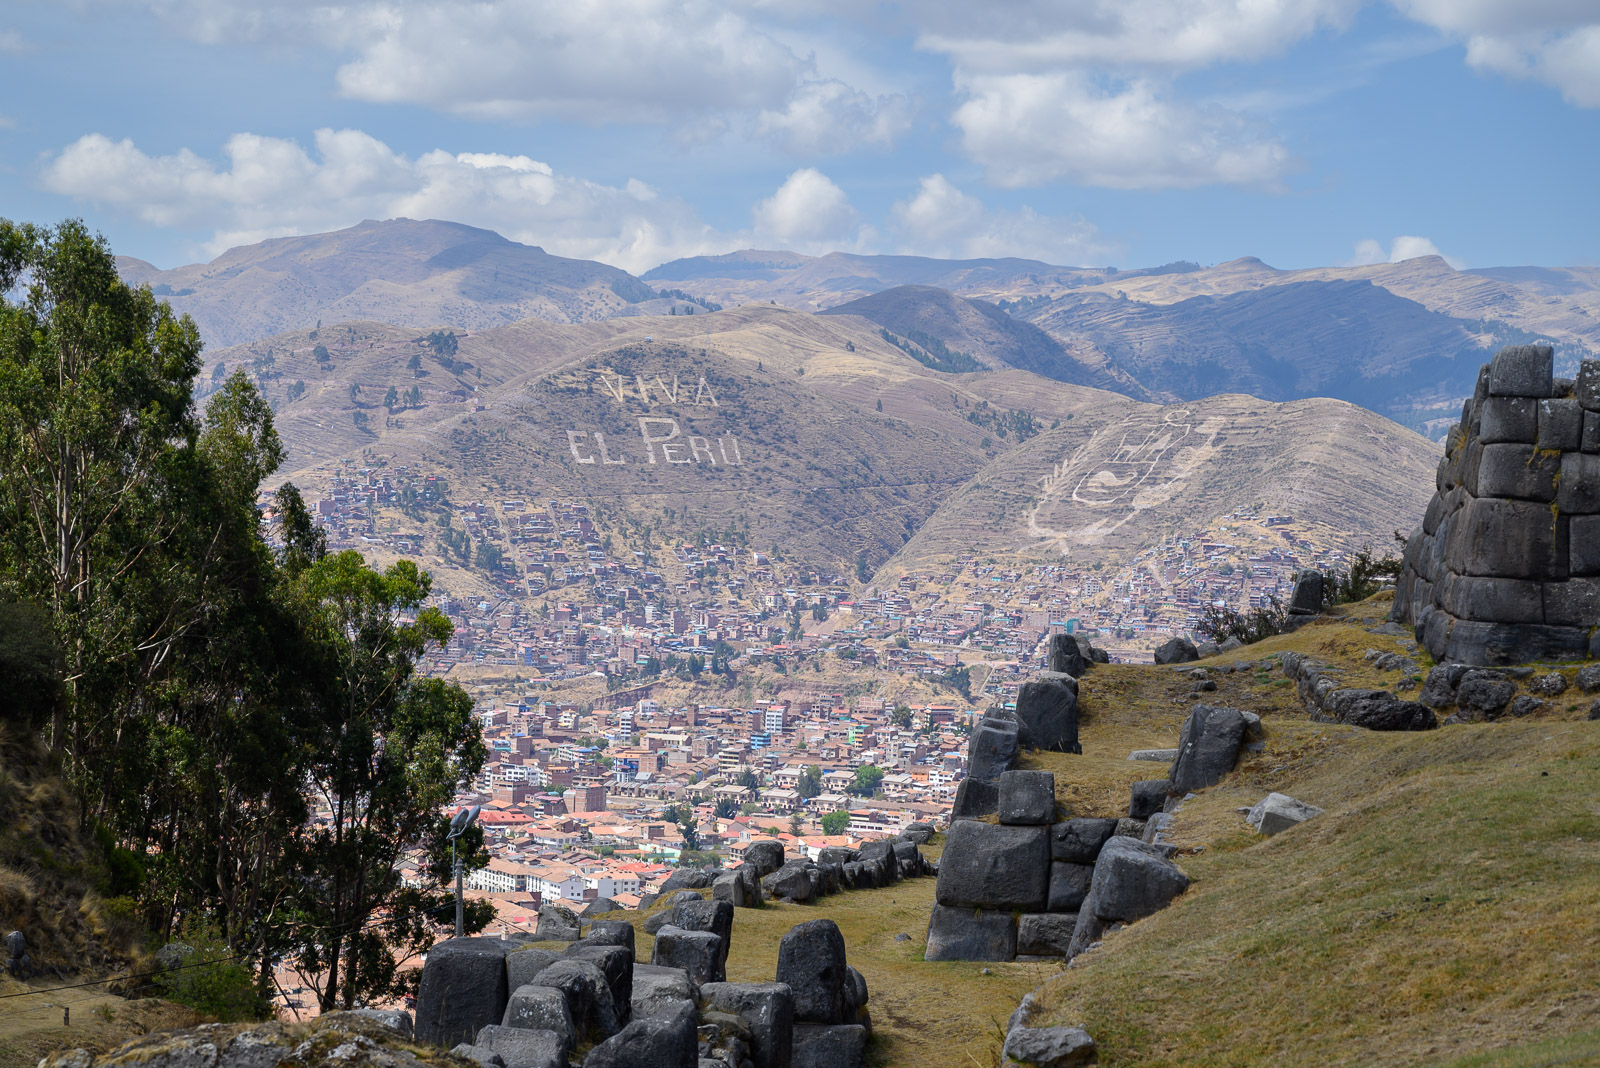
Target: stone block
column 1508, row 539
column 811, row 960
column 1590, row 441
column 1027, row 798
column 611, row 933
column 463, row 989
column 1587, row 386
column 1560, row 424
column 615, row 963
column 657, row 990
column 700, row 953
column 1580, row 484
column 729, row 888
column 1147, row 797
column 1278, row 812
column 1306, row 597
column 765, row 857
column 1047, row 713
column 985, row 865
column 522, row 1048
column 1131, row 881
column 830, row 1046
column 1380, row 710
column 971, row 934
column 523, row 965
column 713, row 916
column 1513, row 419
column 1573, row 603
column 1078, row 841
column 1518, row 472
column 975, row 798
column 1045, row 934
column 594, row 1010
column 1066, row 656
column 992, row 750
column 767, row 1010
column 1522, row 371
column 1208, row 747
column 541, row 1008
column 1069, row 885
column 918, row 833
column 1584, row 552
column 656, row 1042
column 1499, row 600
column 1048, row 1047
column 1176, row 651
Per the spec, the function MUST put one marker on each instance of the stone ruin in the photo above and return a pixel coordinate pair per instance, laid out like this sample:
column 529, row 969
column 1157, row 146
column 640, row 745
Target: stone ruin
column 1505, row 567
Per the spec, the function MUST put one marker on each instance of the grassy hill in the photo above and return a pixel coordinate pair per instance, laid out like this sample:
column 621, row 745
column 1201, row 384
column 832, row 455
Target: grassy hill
column 819, row 437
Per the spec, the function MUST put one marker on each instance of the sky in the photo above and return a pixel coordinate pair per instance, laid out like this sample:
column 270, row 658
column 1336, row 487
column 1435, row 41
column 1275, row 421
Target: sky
column 1079, row 132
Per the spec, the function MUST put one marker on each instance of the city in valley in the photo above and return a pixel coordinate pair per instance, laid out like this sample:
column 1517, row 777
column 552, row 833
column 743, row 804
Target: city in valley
column 649, row 702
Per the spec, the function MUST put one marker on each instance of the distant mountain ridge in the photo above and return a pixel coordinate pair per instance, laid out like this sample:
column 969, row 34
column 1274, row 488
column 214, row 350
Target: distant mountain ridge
column 401, row 271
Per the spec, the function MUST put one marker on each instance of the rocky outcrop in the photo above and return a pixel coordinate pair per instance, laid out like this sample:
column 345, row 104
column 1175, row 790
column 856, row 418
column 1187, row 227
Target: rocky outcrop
column 1328, row 702
column 1505, row 566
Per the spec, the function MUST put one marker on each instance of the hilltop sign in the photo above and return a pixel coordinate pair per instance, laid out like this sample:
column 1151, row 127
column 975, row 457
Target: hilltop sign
column 664, row 438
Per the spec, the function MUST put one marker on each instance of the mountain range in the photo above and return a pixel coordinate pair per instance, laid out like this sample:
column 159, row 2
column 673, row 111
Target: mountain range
column 899, row 408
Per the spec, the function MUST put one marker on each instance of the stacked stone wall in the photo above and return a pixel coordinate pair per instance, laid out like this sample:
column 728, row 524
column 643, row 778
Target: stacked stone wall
column 1505, row 566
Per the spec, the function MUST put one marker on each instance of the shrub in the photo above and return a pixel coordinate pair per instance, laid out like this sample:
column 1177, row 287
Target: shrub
column 211, row 982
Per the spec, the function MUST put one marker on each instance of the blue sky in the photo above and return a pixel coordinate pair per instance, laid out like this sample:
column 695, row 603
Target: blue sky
column 1126, row 132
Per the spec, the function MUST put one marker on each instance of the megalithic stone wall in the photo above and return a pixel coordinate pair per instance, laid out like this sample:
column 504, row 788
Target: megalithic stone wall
column 1505, row 566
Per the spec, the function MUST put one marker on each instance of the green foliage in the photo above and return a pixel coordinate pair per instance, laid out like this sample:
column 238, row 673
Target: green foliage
column 810, row 782
column 835, row 823
column 1221, row 622
column 441, row 343
column 866, row 781
column 211, row 981
column 931, row 351
column 1366, row 577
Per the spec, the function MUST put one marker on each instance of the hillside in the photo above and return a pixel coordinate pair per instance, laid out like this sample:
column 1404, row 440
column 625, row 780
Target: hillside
column 819, row 437
column 988, row 334
column 404, row 272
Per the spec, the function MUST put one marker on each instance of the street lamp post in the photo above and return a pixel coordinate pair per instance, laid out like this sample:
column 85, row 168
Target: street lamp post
column 458, row 826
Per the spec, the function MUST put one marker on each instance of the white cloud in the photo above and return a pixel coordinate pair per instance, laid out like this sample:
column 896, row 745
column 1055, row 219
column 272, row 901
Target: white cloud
column 690, row 64
column 1405, row 247
column 1087, row 91
column 829, row 116
column 269, row 187
column 11, row 41
column 1047, row 35
column 807, row 210
column 1556, row 42
column 941, row 220
column 1032, row 129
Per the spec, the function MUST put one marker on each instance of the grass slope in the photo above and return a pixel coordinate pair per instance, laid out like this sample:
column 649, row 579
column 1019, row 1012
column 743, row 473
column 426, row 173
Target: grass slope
column 1441, row 909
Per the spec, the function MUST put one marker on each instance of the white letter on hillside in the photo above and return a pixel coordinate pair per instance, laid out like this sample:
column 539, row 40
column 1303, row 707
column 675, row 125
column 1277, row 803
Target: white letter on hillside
column 650, row 440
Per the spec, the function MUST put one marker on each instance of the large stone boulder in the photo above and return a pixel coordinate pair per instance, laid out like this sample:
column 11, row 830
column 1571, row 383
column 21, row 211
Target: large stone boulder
column 792, row 882
column 713, row 916
column 523, row 964
column 830, row 1046
column 1066, row 656
column 811, row 960
column 589, row 999
column 1069, row 885
column 700, row 953
column 463, row 989
column 686, row 879
column 1176, row 651
column 992, row 749
column 918, row 833
column 1131, row 881
column 975, row 798
column 1379, row 710
column 667, row 1041
column 611, row 933
column 1278, row 812
column 557, row 923
column 1027, row 798
column 1047, row 713
column 986, row 865
column 1048, row 1047
column 657, row 991
column 541, row 1008
column 1078, row 841
column 615, row 963
column 767, row 1010
column 1307, row 595
column 1147, row 797
column 1045, row 934
column 970, row 934
column 764, row 857
column 521, row 1048
column 1208, row 747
